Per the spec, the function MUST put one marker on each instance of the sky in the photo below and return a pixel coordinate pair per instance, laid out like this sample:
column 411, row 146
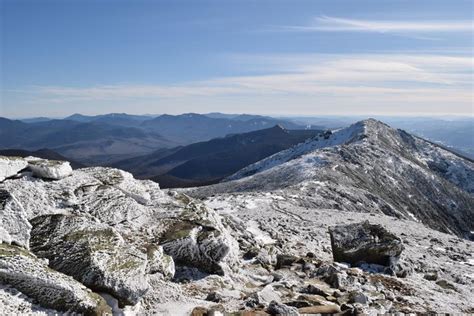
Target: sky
column 291, row 57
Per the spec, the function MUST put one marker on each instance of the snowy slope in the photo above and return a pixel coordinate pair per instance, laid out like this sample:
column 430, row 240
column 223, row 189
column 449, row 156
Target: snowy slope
column 368, row 167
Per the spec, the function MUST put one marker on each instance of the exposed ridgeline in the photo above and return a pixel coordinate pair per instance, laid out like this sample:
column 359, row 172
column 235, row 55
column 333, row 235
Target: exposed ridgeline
column 209, row 162
column 367, row 167
column 94, row 241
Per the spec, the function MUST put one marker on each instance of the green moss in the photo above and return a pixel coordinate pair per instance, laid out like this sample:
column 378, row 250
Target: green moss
column 11, row 251
column 99, row 240
column 125, row 265
column 178, row 231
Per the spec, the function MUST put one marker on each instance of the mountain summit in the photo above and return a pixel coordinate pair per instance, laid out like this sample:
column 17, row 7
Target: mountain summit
column 367, row 167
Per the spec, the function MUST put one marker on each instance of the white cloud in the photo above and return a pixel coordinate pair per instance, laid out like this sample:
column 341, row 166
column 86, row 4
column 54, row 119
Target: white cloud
column 334, row 24
column 425, row 83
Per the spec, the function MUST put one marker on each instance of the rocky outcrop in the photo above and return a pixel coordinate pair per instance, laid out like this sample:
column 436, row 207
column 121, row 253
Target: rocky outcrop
column 14, row 226
column 23, row 271
column 198, row 239
column 94, row 254
column 159, row 262
column 49, row 169
column 365, row 242
column 10, row 166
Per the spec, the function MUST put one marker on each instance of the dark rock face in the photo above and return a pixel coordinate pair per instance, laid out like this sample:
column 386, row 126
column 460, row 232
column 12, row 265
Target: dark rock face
column 365, row 242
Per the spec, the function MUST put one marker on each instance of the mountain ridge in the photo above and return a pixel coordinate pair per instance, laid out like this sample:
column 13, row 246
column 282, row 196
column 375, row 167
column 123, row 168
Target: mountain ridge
column 367, row 167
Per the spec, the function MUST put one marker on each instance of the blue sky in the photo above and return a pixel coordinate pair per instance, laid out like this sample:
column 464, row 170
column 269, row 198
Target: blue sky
column 269, row 57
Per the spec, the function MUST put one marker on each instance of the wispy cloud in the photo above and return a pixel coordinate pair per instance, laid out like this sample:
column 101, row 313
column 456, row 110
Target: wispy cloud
column 389, row 82
column 336, row 24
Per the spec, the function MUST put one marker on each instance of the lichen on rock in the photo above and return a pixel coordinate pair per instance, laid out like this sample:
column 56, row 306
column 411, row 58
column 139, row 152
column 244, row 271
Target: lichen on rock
column 23, row 271
column 93, row 253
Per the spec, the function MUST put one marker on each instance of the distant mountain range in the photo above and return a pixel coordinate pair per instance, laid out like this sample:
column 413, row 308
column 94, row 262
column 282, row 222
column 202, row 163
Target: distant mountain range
column 102, row 139
column 208, row 162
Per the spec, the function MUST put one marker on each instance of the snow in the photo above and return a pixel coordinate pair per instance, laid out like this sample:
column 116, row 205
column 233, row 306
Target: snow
column 261, row 237
column 10, row 166
column 49, row 169
column 339, row 137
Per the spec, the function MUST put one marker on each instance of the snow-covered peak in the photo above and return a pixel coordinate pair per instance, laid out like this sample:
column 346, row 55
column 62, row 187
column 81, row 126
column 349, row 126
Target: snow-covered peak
column 354, row 133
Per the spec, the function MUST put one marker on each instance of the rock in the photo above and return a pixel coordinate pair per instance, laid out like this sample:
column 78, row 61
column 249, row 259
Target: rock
column 319, row 290
column 432, row 276
column 298, row 303
column 214, row 297
column 14, row 225
column 199, row 311
column 322, row 309
column 284, row 261
column 365, row 242
column 358, row 297
column 159, row 262
column 23, row 271
column 267, row 295
column 94, row 254
column 49, row 169
column 10, row 166
column 276, row 308
column 446, row 285
column 198, row 239
column 334, row 276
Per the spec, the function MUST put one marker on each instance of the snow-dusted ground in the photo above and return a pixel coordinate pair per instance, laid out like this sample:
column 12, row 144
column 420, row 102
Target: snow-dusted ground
column 300, row 230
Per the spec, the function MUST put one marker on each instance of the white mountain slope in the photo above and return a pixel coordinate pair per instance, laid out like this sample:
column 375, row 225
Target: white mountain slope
column 367, row 167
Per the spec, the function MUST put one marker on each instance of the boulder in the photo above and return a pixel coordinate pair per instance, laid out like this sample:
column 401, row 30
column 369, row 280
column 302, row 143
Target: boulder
column 198, row 239
column 25, row 272
column 14, row 226
column 49, row 169
column 10, row 166
column 159, row 262
column 365, row 242
column 195, row 245
column 94, row 254
column 285, row 261
column 276, row 308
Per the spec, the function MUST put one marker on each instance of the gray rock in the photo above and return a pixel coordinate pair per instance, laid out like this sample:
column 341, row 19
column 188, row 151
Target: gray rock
column 14, row 226
column 284, row 261
column 94, row 254
column 159, row 262
column 431, row 276
column 276, row 308
column 446, row 285
column 23, row 271
column 365, row 242
column 214, row 297
column 358, row 297
column 199, row 240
